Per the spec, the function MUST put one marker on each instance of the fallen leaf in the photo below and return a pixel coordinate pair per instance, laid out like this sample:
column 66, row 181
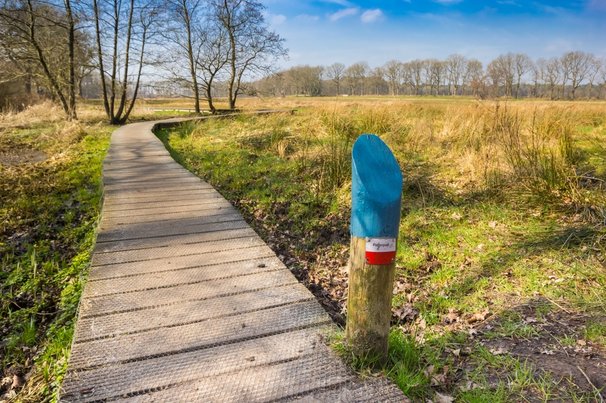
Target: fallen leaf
column 400, row 286
column 469, row 385
column 17, row 382
column 405, row 313
column 498, row 351
column 6, row 381
column 548, row 352
column 440, row 398
column 421, row 324
column 479, row 316
column 530, row 319
column 439, row 378
column 451, row 317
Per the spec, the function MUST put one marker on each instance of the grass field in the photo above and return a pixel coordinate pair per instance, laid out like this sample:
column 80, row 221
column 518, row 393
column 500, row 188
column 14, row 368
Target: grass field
column 500, row 291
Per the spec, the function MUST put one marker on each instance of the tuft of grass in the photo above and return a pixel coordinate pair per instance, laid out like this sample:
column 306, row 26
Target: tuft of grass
column 405, row 365
column 596, row 332
column 512, row 325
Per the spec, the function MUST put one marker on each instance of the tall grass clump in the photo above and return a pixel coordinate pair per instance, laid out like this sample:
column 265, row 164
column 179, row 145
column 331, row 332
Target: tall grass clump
column 333, row 157
column 540, row 155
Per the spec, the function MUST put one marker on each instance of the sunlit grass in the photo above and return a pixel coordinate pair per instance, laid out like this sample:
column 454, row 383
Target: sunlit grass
column 49, row 208
column 503, row 204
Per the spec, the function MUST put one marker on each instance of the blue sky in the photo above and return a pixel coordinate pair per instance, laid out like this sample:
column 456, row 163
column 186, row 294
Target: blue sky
column 348, row 31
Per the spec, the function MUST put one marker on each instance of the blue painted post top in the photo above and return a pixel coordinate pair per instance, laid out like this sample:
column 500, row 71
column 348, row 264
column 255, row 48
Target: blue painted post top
column 376, row 189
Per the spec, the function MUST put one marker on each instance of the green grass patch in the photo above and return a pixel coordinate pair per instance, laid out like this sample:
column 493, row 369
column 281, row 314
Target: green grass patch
column 49, row 210
column 495, row 214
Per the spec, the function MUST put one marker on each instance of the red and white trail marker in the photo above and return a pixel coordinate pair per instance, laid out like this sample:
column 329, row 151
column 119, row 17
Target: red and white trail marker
column 380, row 250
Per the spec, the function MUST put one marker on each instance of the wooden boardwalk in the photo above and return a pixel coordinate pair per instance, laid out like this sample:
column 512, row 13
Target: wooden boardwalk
column 185, row 302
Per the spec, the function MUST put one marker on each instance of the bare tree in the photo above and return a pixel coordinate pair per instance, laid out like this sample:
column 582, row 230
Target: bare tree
column 36, row 36
column 392, row 70
column 375, row 81
column 187, row 20
column 595, row 66
column 356, row 76
column 550, row 72
column 213, row 56
column 474, row 77
column 122, row 31
column 602, row 76
column 535, row 74
column 252, row 46
column 501, row 71
column 415, row 71
column 304, row 80
column 71, row 48
column 577, row 66
column 456, row 66
column 522, row 64
column 334, row 72
column 436, row 70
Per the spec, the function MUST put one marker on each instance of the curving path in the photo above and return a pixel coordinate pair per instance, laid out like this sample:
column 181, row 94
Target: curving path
column 185, row 302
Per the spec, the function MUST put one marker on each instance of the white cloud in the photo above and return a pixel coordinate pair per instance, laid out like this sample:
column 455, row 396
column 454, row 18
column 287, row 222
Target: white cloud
column 307, row 17
column 369, row 16
column 274, row 19
column 447, row 2
column 346, row 12
column 344, row 3
column 277, row 19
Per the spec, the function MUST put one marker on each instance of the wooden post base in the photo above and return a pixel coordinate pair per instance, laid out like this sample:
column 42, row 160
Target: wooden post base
column 368, row 304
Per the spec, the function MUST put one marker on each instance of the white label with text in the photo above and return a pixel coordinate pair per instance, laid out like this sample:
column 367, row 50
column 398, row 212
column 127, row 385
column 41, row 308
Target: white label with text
column 380, row 244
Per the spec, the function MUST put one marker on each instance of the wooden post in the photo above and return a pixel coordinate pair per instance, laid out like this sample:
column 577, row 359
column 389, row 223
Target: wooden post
column 375, row 220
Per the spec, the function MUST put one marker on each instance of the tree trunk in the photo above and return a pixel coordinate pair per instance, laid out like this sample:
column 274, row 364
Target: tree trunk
column 232, row 61
column 100, row 58
column 72, row 73
column 112, row 103
column 124, row 85
column 209, row 98
column 136, row 90
column 190, row 55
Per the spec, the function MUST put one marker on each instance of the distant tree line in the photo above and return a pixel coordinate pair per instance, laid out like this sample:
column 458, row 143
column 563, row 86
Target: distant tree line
column 115, row 50
column 573, row 75
column 60, row 49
